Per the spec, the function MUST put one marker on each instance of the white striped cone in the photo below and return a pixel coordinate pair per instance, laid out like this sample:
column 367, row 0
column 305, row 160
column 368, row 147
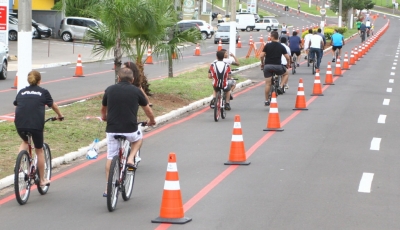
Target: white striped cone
column 237, row 155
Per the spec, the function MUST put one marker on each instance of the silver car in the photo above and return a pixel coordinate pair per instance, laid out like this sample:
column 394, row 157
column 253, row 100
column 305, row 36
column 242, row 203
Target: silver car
column 223, row 33
column 4, row 62
column 76, row 27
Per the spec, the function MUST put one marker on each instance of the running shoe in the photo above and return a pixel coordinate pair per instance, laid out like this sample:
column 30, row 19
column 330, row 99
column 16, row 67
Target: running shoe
column 266, row 103
column 333, row 59
column 212, row 103
column 137, row 159
column 280, row 90
column 227, row 106
column 287, row 86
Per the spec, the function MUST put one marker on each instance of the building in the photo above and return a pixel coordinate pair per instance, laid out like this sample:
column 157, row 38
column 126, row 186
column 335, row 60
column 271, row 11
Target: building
column 36, row 4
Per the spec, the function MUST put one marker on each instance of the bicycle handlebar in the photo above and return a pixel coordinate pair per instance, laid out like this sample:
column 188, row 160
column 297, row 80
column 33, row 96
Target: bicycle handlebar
column 142, row 123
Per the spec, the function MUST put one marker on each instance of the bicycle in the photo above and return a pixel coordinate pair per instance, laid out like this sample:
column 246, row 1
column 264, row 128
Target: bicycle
column 120, row 179
column 294, row 60
column 26, row 173
column 275, row 84
column 219, row 104
column 362, row 35
column 314, row 63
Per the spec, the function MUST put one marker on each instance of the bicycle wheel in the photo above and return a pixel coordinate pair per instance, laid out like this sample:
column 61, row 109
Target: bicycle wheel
column 22, row 185
column 223, row 112
column 217, row 107
column 313, row 67
column 128, row 181
column 47, row 169
column 308, row 60
column 294, row 65
column 113, row 184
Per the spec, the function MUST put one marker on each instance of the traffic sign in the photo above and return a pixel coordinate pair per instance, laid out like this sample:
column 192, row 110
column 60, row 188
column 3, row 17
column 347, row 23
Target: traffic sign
column 322, row 11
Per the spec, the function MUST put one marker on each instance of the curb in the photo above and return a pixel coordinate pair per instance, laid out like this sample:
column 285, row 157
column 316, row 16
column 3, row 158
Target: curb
column 9, row 180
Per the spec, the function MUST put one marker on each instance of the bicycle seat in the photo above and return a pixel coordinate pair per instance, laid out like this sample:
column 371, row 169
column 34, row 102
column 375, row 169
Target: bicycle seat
column 120, row 137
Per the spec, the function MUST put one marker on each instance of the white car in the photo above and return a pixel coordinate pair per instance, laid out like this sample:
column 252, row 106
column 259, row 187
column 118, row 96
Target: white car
column 13, row 29
column 267, row 24
column 207, row 31
column 4, row 61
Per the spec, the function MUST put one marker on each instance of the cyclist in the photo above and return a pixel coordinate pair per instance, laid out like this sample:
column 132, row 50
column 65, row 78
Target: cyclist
column 219, row 72
column 307, row 41
column 358, row 23
column 271, row 63
column 119, row 108
column 319, row 32
column 363, row 29
column 316, row 44
column 295, row 46
column 368, row 25
column 284, row 28
column 337, row 42
column 285, row 62
column 231, row 60
column 284, row 35
column 30, row 115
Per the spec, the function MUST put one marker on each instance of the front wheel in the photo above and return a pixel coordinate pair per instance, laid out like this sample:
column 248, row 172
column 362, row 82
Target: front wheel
column 129, row 181
column 293, row 67
column 217, row 106
column 113, row 184
column 268, row 29
column 47, row 169
column 3, row 74
column 22, row 185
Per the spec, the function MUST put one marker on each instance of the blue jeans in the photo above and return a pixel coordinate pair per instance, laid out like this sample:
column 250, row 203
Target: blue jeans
column 317, row 51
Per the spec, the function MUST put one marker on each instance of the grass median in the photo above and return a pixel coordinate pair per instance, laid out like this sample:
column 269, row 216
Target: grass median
column 77, row 131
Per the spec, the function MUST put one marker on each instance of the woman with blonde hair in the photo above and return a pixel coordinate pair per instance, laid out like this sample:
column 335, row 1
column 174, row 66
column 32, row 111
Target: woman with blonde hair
column 30, row 115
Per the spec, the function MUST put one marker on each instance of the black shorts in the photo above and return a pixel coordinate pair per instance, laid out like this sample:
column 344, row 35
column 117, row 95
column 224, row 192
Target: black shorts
column 336, row 47
column 227, row 89
column 37, row 136
column 269, row 70
column 295, row 52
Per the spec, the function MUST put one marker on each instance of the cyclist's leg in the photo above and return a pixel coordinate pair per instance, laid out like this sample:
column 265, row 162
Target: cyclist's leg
column 112, row 150
column 267, row 76
column 37, row 138
column 333, row 53
column 319, row 56
column 136, row 141
column 285, row 77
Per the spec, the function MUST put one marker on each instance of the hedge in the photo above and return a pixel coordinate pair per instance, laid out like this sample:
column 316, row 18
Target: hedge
column 328, row 31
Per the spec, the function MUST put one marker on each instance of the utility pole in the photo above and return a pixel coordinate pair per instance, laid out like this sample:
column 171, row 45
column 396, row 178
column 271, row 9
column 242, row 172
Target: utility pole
column 323, row 17
column 24, row 42
column 232, row 32
column 340, row 14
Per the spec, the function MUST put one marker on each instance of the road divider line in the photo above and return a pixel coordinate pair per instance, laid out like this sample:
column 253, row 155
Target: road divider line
column 382, row 119
column 366, row 182
column 391, row 80
column 389, row 90
column 375, row 143
column 392, row 73
column 386, row 101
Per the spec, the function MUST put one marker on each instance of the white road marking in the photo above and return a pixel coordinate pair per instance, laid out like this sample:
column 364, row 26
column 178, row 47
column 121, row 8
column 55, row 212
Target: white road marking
column 366, row 182
column 389, row 90
column 391, row 80
column 381, row 119
column 395, row 59
column 392, row 73
column 394, row 63
column 375, row 143
column 393, row 67
column 386, row 101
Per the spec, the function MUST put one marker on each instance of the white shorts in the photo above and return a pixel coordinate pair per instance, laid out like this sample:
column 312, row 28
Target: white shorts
column 112, row 143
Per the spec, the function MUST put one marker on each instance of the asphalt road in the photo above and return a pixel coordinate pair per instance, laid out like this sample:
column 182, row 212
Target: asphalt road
column 306, row 177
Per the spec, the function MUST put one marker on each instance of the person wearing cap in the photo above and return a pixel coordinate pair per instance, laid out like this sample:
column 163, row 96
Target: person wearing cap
column 337, row 42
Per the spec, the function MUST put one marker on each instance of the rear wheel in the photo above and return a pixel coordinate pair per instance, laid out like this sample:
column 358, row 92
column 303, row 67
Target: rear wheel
column 217, row 106
column 313, row 66
column 66, row 37
column 204, row 35
column 248, row 29
column 22, row 185
column 113, row 184
column 3, row 73
column 47, row 169
column 12, row 35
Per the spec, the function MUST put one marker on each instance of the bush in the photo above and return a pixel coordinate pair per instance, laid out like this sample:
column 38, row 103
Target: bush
column 328, row 31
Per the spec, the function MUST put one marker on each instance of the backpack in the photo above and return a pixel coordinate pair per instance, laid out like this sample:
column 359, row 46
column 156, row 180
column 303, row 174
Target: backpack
column 220, row 74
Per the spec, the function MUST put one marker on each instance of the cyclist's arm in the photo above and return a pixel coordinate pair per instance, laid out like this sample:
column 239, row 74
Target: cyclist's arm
column 343, row 40
column 236, row 62
column 287, row 59
column 149, row 113
column 262, row 58
column 103, row 113
column 57, row 110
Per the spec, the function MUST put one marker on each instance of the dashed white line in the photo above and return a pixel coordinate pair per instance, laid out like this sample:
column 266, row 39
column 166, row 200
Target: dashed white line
column 394, row 63
column 382, row 119
column 393, row 67
column 386, row 101
column 389, row 90
column 366, row 182
column 391, row 80
column 375, row 143
column 392, row 73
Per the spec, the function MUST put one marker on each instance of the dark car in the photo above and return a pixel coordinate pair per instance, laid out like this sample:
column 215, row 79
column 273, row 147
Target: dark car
column 42, row 31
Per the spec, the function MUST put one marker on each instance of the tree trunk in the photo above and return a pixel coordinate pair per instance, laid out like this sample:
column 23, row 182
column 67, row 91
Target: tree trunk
column 142, row 78
column 117, row 56
column 170, row 66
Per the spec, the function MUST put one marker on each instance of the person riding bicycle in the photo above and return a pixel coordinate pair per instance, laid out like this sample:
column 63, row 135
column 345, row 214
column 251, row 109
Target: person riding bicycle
column 219, row 73
column 363, row 30
column 307, row 42
column 284, row 35
column 119, row 108
column 319, row 32
column 358, row 24
column 316, row 44
column 284, row 28
column 368, row 25
column 337, row 42
column 30, row 115
column 231, row 60
column 295, row 46
column 285, row 62
column 271, row 63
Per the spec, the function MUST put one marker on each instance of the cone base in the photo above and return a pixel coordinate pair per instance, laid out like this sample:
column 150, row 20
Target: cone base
column 328, row 84
column 300, row 109
column 272, row 129
column 183, row 220
column 78, row 76
column 237, row 163
column 317, row 94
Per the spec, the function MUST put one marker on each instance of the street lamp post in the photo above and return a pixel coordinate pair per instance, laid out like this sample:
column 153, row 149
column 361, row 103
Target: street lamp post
column 24, row 42
column 232, row 31
column 340, row 14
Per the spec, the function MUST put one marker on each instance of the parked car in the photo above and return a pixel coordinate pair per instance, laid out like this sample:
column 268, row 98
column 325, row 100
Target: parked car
column 267, row 24
column 4, row 61
column 13, row 29
column 224, row 33
column 76, row 27
column 41, row 29
column 207, row 31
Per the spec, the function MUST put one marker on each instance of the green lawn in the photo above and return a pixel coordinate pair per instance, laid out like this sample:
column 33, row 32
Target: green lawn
column 384, row 3
column 304, row 7
column 244, row 6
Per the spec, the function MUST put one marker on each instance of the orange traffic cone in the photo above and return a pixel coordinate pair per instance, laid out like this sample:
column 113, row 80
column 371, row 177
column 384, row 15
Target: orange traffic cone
column 219, row 45
column 360, row 54
column 328, row 76
column 274, row 123
column 346, row 64
column 352, row 58
column 239, row 44
column 197, row 50
column 171, row 210
column 251, row 40
column 356, row 54
column 338, row 69
column 301, row 98
column 174, row 56
column 317, row 89
column 237, row 155
column 15, row 86
column 261, row 38
column 149, row 59
column 79, row 69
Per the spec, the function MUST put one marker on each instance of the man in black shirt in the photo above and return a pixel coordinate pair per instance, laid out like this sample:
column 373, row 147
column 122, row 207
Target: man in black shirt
column 119, row 108
column 30, row 115
column 271, row 62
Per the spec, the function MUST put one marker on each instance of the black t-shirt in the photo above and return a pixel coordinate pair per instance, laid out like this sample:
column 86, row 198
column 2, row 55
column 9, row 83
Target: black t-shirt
column 31, row 102
column 274, row 52
column 122, row 101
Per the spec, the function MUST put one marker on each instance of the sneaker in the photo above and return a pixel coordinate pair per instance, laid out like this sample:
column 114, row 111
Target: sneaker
column 266, row 103
column 137, row 159
column 333, row 59
column 287, row 86
column 212, row 103
column 298, row 65
column 227, row 106
column 280, row 90
column 305, row 57
column 231, row 98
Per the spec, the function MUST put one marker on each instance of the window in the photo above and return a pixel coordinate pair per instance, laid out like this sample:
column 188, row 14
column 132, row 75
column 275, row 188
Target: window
column 90, row 23
column 78, row 22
